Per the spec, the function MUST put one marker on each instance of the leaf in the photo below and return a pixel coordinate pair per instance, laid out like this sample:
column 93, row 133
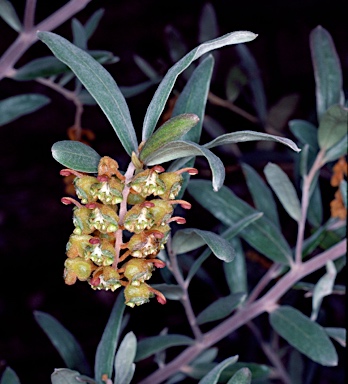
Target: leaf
column 163, row 91
column 79, row 34
column 284, row 189
column 221, row 308
column 242, row 376
column 151, row 345
column 65, row 343
column 175, row 41
column 170, row 291
column 9, row 377
column 213, row 376
column 261, row 194
column 207, row 356
column 242, row 136
column 9, row 15
column 186, row 240
column 338, row 334
column 343, row 190
column 99, row 83
column 304, row 335
column 332, row 127
column 16, row 106
column 171, row 130
column 305, row 133
column 93, row 22
column 208, row 26
column 228, row 208
column 67, row 376
column 337, row 150
column 315, row 208
column 104, row 357
column 124, row 366
column 178, row 149
column 134, row 90
column 236, row 80
column 146, row 68
column 327, row 70
column 76, row 155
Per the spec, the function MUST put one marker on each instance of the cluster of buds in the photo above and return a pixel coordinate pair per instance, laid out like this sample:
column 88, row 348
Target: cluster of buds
column 111, row 207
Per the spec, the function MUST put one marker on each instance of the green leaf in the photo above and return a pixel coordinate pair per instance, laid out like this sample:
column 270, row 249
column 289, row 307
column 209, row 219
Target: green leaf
column 176, row 45
column 9, row 15
column 338, row 334
column 242, row 136
column 327, row 70
column 221, row 308
column 343, row 189
column 236, row 80
column 261, row 194
column 303, row 334
column 104, row 357
column 99, row 83
column 305, row 132
column 124, row 366
column 133, row 90
column 146, row 68
column 9, row 377
column 16, row 106
column 171, row 130
column 170, row 291
column 68, row 376
column 178, row 149
column 186, row 240
column 208, row 25
column 284, row 189
column 163, row 91
column 242, row 376
column 213, row 376
column 332, row 127
column 79, row 34
column 64, row 342
column 228, row 208
column 93, row 22
column 151, row 345
column 337, row 150
column 76, row 155
column 206, row 356
column 315, row 208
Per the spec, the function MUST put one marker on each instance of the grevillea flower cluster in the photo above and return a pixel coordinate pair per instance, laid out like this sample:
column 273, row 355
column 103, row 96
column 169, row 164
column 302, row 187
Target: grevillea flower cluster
column 137, row 206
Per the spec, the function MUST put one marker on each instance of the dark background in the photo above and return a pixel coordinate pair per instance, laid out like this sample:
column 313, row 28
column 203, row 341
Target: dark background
column 35, row 226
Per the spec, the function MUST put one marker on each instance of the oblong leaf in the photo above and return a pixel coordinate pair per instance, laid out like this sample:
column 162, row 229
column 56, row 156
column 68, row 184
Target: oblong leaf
column 76, row 155
column 284, row 189
column 124, row 366
column 327, row 70
column 305, row 132
column 99, row 84
column 151, row 345
column 93, row 22
column 64, row 342
column 104, row 357
column 228, row 208
column 163, row 91
column 303, row 334
column 333, row 126
column 213, row 376
column 170, row 291
column 65, row 376
column 337, row 150
column 221, row 308
column 9, row 15
column 179, row 149
column 242, row 136
column 242, row 376
column 171, row 130
column 9, row 377
column 16, row 106
column 338, row 334
column 186, row 240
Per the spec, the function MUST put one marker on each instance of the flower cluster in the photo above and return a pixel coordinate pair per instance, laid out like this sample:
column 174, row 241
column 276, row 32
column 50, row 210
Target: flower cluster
column 114, row 206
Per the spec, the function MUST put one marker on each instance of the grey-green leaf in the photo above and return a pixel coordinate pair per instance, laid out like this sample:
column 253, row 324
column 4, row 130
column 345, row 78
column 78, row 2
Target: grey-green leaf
column 337, row 150
column 338, row 334
column 9, row 377
column 242, row 376
column 99, row 84
column 221, row 308
column 104, row 357
column 151, row 345
column 9, row 15
column 79, row 34
column 303, row 334
column 66, row 376
column 186, row 240
column 171, row 130
column 284, row 189
column 213, row 376
column 124, row 366
column 163, row 91
column 64, row 342
column 327, row 70
column 92, row 23
column 305, row 132
column 228, row 208
column 16, row 106
column 170, row 291
column 76, row 155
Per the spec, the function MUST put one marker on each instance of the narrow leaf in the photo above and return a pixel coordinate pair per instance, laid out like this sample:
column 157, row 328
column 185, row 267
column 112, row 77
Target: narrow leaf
column 16, row 106
column 160, row 97
column 303, row 334
column 305, row 132
column 171, row 130
column 337, row 150
column 327, row 70
column 343, row 189
column 124, row 366
column 186, row 240
column 315, row 208
column 9, row 377
column 137, row 89
column 284, row 189
column 176, row 45
column 64, row 342
column 228, row 208
column 76, row 155
column 170, row 291
column 338, row 334
column 79, row 34
column 213, row 376
column 151, row 345
column 146, row 68
column 208, row 25
column 93, row 22
column 104, row 357
column 333, row 126
column 67, row 376
column 9, row 15
column 99, row 84
column 221, row 308
column 242, row 376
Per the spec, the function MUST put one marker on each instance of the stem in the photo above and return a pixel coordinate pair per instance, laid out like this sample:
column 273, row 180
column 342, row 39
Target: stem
column 29, row 14
column 247, row 313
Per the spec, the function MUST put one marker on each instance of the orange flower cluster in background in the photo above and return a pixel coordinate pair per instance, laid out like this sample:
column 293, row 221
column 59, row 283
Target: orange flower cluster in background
column 337, row 206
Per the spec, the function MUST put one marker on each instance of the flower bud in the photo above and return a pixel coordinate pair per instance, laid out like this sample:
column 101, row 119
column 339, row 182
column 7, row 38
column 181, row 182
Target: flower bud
column 109, row 167
column 77, row 268
column 105, row 278
column 134, row 198
column 137, row 271
column 137, row 295
column 148, row 182
column 144, row 244
column 108, row 192
column 101, row 253
column 161, row 211
column 83, row 188
column 138, row 218
column 76, row 245
column 104, row 219
column 173, row 183
column 81, row 220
